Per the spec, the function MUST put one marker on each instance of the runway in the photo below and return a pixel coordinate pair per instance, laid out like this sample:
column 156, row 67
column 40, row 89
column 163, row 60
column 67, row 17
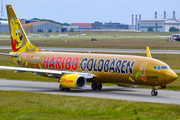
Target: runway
column 103, row 50
column 107, row 92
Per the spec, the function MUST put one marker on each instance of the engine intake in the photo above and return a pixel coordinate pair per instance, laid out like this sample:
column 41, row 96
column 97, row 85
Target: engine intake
column 73, row 81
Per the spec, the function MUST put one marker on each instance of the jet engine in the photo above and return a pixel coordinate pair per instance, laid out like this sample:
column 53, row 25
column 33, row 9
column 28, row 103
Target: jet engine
column 73, row 81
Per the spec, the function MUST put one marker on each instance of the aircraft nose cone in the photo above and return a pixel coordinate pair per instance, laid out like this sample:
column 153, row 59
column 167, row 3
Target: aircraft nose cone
column 171, row 76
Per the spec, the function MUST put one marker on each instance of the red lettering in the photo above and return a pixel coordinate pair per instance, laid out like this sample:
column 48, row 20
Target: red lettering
column 68, row 63
column 45, row 62
column 66, row 81
column 75, row 62
column 63, row 63
column 52, row 63
column 58, row 62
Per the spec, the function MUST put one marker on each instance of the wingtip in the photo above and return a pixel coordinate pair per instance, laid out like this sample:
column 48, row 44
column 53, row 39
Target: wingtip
column 148, row 53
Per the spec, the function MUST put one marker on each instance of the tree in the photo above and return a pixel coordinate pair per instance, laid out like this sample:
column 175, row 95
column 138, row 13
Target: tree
column 71, row 30
column 40, row 30
column 150, row 29
column 65, row 24
column 49, row 30
column 173, row 29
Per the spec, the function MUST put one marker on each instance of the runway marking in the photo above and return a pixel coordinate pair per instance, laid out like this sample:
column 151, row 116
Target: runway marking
column 170, row 96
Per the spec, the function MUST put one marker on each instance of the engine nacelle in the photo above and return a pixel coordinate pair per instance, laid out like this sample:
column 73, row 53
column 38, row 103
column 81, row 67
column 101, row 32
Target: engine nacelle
column 73, row 81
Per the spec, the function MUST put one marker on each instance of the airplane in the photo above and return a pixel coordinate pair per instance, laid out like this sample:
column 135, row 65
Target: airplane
column 34, row 35
column 60, row 35
column 74, row 70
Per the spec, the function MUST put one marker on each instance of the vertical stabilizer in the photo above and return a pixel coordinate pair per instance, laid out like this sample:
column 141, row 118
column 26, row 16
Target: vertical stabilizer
column 148, row 52
column 19, row 40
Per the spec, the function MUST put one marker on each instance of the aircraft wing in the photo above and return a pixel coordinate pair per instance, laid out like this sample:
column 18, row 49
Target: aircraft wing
column 50, row 73
column 8, row 55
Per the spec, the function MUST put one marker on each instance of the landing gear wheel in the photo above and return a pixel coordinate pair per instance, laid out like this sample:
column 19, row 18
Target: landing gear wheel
column 94, row 86
column 67, row 89
column 61, row 88
column 99, row 86
column 154, row 93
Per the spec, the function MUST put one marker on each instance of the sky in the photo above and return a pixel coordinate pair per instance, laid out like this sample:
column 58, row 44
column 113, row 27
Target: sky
column 88, row 11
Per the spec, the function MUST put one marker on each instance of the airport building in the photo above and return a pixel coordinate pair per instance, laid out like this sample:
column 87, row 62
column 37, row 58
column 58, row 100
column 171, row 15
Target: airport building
column 100, row 26
column 44, row 26
column 82, row 25
column 68, row 28
column 4, row 26
column 158, row 24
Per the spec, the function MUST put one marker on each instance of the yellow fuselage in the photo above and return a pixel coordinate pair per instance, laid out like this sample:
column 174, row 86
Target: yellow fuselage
column 120, row 69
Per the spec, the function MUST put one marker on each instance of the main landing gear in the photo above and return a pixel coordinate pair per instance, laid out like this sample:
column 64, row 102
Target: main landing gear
column 63, row 89
column 96, row 86
column 154, row 92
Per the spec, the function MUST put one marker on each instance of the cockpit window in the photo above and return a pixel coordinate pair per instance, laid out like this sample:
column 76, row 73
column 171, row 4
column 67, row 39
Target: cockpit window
column 155, row 67
column 161, row 67
column 165, row 67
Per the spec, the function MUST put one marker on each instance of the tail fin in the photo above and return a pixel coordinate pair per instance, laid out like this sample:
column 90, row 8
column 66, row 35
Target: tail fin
column 19, row 40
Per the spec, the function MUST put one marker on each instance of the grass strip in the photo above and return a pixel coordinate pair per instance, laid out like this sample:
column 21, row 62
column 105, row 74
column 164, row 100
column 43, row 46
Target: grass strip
column 30, row 106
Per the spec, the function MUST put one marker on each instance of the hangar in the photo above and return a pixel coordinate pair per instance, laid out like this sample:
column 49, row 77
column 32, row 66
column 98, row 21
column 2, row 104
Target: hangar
column 44, row 26
column 158, row 24
column 4, row 26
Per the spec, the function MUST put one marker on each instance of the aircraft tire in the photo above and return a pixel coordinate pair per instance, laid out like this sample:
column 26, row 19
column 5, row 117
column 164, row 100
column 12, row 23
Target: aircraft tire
column 94, row 86
column 61, row 88
column 154, row 93
column 67, row 89
column 99, row 86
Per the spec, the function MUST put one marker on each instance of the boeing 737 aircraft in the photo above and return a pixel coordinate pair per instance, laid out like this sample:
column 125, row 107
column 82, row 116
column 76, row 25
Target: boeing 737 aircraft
column 74, row 70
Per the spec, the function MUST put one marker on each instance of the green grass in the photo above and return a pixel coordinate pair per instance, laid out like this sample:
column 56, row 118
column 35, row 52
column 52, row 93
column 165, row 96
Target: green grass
column 30, row 106
column 130, row 43
column 108, row 33
column 129, row 40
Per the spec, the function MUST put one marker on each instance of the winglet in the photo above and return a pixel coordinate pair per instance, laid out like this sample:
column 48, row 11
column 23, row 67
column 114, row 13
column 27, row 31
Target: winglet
column 148, row 52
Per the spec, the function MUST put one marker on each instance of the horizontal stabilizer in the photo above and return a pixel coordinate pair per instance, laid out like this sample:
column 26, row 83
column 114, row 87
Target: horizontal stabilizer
column 5, row 54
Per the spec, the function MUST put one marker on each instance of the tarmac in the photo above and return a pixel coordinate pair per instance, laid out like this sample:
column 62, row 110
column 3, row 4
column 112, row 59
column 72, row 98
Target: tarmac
column 107, row 92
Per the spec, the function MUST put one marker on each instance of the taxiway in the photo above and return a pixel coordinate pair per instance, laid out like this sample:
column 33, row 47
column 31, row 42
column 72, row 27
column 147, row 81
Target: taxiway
column 103, row 50
column 107, row 92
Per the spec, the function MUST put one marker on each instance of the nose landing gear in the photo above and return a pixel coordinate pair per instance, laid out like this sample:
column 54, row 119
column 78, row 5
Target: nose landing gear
column 154, row 92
